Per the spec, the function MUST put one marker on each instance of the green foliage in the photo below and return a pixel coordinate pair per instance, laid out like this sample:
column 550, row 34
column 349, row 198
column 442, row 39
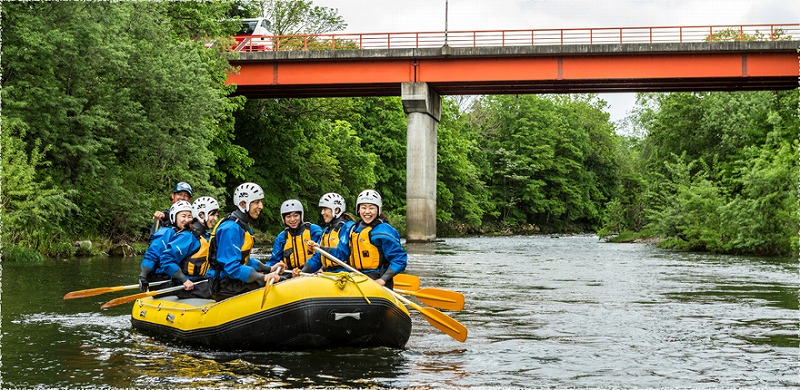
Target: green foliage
column 122, row 102
column 33, row 210
column 764, row 217
column 687, row 206
column 299, row 152
column 16, row 253
column 550, row 160
column 292, row 17
column 734, row 187
column 381, row 124
column 461, row 196
column 731, row 34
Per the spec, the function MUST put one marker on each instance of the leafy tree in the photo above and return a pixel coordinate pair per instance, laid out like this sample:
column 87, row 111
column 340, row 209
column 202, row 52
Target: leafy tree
column 32, row 208
column 292, row 17
column 300, row 153
column 733, row 189
column 764, row 217
column 461, row 196
column 625, row 211
column 381, row 124
column 128, row 106
column 543, row 166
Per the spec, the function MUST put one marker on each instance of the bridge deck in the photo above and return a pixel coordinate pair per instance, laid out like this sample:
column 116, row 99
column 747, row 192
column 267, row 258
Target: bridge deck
column 658, row 67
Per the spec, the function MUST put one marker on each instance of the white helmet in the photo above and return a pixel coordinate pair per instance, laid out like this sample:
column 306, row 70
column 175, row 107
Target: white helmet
column 333, row 201
column 247, row 192
column 176, row 208
column 371, row 197
column 291, row 206
column 205, row 205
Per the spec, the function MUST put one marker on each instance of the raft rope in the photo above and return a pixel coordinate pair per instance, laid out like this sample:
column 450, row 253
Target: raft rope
column 347, row 277
column 340, row 280
column 158, row 307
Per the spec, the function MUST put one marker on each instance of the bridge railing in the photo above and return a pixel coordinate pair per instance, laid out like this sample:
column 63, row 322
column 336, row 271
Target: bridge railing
column 539, row 37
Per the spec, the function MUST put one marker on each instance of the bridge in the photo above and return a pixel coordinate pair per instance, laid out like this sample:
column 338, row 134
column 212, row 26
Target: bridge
column 422, row 66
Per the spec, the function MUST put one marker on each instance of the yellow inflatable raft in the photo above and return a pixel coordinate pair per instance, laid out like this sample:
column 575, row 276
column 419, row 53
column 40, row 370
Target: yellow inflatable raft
column 305, row 312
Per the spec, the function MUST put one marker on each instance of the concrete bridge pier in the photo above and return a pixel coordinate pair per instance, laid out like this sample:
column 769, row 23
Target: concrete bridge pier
column 423, row 107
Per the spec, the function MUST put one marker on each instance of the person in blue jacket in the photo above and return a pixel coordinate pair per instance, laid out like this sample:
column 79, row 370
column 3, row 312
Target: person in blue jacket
column 180, row 214
column 185, row 259
column 235, row 272
column 372, row 245
column 290, row 245
column 332, row 207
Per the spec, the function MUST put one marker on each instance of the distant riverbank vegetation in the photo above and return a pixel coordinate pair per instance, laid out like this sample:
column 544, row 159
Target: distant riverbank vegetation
column 107, row 104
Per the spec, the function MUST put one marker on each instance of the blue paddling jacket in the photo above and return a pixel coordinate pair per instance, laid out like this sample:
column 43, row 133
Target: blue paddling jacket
column 373, row 248
column 161, row 238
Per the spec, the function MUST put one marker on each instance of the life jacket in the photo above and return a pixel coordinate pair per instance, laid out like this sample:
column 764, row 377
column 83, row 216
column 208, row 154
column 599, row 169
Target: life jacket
column 330, row 238
column 364, row 255
column 247, row 246
column 197, row 263
column 298, row 255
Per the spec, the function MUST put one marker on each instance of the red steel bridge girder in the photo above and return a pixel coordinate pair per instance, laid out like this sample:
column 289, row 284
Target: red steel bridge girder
column 505, row 70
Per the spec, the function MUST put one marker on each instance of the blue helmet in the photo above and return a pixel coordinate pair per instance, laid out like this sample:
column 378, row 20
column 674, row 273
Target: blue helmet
column 182, row 186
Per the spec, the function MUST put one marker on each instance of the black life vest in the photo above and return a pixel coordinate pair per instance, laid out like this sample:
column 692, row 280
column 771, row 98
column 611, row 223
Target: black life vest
column 197, row 263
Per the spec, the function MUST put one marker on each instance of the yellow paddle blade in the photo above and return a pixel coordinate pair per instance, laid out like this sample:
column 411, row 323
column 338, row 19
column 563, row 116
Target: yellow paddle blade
column 266, row 291
column 436, row 297
column 97, row 291
column 406, row 282
column 444, row 323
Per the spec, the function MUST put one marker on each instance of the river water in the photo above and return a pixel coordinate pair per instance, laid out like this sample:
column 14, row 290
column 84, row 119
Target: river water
column 542, row 311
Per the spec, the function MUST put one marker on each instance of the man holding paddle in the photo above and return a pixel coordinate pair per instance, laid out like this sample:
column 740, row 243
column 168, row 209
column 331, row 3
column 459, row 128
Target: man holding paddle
column 235, row 272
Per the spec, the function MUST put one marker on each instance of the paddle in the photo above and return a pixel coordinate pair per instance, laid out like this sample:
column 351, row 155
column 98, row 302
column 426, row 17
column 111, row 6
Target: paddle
column 406, row 282
column 102, row 290
column 436, row 318
column 436, row 297
column 269, row 287
column 131, row 298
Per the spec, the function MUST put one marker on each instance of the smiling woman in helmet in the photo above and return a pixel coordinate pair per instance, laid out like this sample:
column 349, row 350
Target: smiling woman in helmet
column 235, row 272
column 337, row 223
column 185, row 258
column 290, row 245
column 372, row 245
column 180, row 215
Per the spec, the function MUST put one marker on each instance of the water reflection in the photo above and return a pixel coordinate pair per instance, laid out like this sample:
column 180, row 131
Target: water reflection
column 170, row 367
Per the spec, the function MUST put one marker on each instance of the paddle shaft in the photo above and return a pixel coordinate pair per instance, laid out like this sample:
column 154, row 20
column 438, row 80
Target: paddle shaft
column 103, row 290
column 436, row 318
column 131, row 298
